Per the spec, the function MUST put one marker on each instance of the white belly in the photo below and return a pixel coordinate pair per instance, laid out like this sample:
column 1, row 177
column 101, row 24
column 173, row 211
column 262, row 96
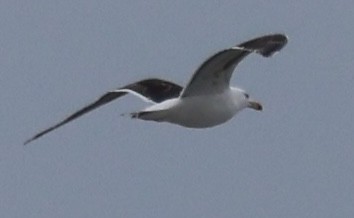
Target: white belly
column 202, row 111
column 197, row 111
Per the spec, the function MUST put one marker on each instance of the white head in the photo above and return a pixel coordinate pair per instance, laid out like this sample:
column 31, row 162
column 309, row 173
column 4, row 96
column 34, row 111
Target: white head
column 241, row 96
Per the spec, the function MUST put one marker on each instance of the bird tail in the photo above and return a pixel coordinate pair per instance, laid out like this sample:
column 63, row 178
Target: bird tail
column 149, row 115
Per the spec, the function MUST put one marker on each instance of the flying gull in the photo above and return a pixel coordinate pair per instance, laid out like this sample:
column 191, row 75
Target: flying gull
column 206, row 101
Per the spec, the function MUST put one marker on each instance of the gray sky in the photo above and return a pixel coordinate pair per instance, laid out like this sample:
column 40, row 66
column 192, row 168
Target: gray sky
column 294, row 159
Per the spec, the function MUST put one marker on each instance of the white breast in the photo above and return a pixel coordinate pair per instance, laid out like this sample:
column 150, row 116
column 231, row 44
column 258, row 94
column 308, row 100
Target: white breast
column 205, row 110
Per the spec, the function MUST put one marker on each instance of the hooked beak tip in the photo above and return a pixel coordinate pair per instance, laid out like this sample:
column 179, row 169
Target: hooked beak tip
column 255, row 105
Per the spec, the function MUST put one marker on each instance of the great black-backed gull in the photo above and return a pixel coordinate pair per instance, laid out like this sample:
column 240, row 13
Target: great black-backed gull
column 206, row 101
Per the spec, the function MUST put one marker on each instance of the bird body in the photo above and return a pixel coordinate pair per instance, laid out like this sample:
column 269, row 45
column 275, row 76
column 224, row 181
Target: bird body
column 197, row 111
column 206, row 101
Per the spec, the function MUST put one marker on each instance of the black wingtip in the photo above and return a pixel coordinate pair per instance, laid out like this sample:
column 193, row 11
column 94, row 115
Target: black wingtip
column 32, row 139
column 275, row 44
column 266, row 45
column 28, row 141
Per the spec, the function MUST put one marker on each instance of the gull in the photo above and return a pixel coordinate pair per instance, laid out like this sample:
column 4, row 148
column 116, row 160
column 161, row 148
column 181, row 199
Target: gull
column 207, row 100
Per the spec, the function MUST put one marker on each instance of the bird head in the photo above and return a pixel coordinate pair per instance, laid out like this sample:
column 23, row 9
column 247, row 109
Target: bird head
column 251, row 103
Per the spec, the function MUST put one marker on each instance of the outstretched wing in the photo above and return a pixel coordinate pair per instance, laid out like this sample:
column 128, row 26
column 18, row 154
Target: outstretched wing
column 154, row 90
column 213, row 76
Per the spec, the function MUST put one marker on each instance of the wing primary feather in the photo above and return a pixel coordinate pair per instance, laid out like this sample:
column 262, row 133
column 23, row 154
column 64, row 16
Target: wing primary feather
column 213, row 76
column 155, row 90
column 266, row 45
column 108, row 97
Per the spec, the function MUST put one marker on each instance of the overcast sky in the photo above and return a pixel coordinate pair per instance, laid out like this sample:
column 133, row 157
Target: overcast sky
column 294, row 159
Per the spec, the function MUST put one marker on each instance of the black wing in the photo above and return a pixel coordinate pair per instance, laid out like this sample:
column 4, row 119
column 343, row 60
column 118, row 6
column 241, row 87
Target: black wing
column 155, row 90
column 214, row 75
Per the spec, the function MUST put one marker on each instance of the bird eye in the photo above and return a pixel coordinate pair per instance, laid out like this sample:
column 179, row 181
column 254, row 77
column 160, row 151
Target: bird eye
column 246, row 95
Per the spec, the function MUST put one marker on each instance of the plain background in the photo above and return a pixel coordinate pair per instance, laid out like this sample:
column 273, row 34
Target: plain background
column 294, row 159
